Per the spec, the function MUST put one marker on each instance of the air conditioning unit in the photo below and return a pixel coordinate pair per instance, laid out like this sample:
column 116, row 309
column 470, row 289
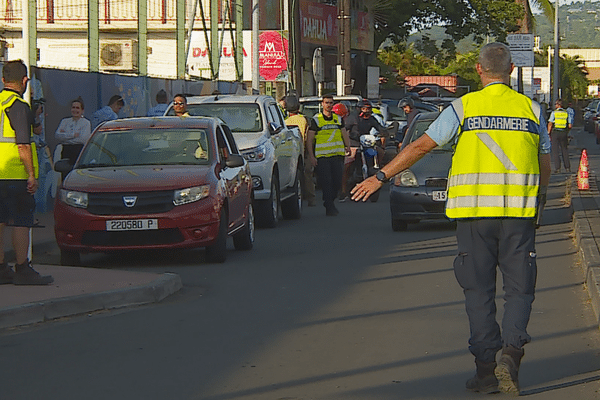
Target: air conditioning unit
column 118, row 55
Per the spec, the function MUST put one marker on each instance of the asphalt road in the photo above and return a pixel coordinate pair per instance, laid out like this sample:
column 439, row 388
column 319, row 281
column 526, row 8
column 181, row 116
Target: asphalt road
column 323, row 308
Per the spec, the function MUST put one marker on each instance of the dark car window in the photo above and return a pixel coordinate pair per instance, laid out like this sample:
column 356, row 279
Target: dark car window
column 146, row 147
column 418, row 129
column 239, row 117
column 230, row 139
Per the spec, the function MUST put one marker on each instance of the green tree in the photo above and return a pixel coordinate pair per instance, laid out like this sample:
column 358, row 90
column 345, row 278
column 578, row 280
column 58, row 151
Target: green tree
column 573, row 78
column 464, row 66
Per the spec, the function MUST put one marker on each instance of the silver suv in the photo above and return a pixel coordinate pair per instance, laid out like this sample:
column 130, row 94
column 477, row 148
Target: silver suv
column 274, row 151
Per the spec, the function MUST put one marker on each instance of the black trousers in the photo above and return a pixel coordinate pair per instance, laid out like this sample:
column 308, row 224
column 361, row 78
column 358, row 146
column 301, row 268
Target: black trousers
column 560, row 141
column 483, row 246
column 329, row 174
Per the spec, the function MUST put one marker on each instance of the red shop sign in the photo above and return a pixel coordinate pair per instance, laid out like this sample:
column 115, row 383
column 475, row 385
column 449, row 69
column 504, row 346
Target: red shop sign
column 272, row 54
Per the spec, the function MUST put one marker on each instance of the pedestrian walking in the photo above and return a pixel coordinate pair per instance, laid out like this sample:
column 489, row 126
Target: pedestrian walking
column 327, row 144
column 496, row 186
column 108, row 112
column 559, row 125
column 18, row 175
column 296, row 119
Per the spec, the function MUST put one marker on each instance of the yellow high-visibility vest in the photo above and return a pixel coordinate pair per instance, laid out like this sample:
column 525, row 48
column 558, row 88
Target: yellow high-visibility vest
column 560, row 119
column 328, row 139
column 495, row 169
column 11, row 166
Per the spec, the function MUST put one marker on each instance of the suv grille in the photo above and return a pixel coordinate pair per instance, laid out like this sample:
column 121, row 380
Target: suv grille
column 146, row 203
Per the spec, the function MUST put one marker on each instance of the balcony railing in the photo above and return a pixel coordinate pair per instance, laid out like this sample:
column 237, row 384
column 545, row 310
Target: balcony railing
column 75, row 11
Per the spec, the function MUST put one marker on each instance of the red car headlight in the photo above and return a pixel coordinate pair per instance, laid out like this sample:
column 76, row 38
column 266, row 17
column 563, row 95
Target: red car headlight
column 190, row 195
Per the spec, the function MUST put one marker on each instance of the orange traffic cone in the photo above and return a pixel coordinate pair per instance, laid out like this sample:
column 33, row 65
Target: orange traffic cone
column 583, row 180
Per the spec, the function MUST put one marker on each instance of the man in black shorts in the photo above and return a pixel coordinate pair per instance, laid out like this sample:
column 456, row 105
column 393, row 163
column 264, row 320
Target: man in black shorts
column 18, row 175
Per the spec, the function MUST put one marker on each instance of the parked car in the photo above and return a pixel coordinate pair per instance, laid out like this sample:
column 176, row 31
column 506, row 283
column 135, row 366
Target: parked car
column 155, row 183
column 274, row 152
column 419, row 192
column 590, row 115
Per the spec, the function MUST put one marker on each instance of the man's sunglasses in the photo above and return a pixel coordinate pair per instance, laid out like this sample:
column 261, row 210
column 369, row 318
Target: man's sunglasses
column 178, row 103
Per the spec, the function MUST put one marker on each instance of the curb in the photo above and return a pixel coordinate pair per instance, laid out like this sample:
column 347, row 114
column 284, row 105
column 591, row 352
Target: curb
column 32, row 313
column 586, row 206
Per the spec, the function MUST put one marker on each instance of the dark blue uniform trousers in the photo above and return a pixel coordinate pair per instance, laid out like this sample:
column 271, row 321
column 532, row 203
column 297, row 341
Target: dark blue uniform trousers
column 329, row 175
column 483, row 246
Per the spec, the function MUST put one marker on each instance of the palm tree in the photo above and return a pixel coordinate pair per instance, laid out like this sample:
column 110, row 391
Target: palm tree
column 527, row 23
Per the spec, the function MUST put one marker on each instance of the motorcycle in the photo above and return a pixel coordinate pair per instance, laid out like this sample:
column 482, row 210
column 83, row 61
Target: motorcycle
column 365, row 162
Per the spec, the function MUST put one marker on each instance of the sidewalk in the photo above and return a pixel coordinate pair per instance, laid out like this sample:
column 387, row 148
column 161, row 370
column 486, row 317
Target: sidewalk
column 76, row 290
column 586, row 212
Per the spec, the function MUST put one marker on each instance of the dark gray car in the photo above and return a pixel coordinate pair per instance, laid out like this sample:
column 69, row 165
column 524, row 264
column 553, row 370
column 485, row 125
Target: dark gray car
column 419, row 192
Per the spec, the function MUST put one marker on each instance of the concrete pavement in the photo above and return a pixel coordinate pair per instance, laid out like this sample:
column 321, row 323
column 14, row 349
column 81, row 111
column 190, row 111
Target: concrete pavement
column 83, row 290
column 76, row 290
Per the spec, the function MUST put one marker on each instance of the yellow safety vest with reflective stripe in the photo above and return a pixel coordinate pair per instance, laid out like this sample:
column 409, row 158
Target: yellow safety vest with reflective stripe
column 328, row 139
column 560, row 119
column 495, row 169
column 11, row 166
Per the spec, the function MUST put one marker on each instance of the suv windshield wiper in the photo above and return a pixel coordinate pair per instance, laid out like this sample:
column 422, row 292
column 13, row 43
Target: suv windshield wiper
column 96, row 165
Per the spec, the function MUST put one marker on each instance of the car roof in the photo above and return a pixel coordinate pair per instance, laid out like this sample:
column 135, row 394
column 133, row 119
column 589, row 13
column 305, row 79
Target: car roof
column 338, row 98
column 159, row 123
column 229, row 98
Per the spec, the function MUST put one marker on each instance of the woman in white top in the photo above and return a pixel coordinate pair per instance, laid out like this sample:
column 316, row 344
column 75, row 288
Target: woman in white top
column 73, row 132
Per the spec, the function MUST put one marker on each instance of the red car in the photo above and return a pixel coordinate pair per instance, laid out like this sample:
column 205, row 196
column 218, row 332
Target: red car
column 155, row 183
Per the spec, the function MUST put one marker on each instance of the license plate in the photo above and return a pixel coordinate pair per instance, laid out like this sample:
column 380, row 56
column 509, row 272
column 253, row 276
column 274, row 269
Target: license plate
column 439, row 195
column 131, row 224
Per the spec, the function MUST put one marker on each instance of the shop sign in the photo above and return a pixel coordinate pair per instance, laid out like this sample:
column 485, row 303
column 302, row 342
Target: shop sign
column 272, row 55
column 319, row 24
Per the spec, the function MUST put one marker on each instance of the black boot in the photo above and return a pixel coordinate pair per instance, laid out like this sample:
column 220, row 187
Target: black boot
column 507, row 370
column 6, row 274
column 26, row 275
column 484, row 380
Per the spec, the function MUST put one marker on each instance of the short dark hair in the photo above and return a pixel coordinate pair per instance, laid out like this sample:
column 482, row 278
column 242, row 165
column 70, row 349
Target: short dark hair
column 183, row 96
column 116, row 99
column 161, row 97
column 80, row 101
column 327, row 96
column 14, row 71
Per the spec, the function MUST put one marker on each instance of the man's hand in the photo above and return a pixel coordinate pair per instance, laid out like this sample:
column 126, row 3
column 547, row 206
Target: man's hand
column 32, row 185
column 313, row 160
column 366, row 188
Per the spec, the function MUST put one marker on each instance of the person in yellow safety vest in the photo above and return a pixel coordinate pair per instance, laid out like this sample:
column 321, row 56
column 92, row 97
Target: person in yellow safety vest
column 559, row 125
column 18, row 175
column 294, row 118
column 497, row 184
column 327, row 144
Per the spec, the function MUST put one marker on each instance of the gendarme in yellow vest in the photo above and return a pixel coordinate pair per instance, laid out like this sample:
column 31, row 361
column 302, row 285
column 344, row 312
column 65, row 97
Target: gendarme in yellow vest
column 328, row 139
column 11, row 166
column 495, row 169
column 560, row 119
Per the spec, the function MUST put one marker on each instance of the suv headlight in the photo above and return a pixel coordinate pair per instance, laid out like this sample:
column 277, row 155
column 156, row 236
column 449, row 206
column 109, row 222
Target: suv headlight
column 255, row 154
column 73, row 198
column 406, row 178
column 189, row 195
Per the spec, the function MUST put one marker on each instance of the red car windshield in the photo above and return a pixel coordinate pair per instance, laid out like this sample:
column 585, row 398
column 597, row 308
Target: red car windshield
column 146, row 147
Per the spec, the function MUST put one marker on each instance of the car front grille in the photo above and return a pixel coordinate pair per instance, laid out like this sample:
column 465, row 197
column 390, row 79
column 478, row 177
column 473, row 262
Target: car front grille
column 132, row 238
column 437, row 182
column 145, row 203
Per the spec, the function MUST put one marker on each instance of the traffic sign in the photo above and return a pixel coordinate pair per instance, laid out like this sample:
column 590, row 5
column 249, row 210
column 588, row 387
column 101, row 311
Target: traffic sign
column 520, row 41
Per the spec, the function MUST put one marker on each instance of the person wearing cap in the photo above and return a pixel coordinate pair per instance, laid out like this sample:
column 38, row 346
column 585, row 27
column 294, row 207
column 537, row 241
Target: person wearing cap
column 296, row 119
column 162, row 104
column 108, row 112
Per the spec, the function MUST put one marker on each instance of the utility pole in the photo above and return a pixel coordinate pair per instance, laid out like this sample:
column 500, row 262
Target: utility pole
column 556, row 55
column 346, row 44
column 255, row 44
